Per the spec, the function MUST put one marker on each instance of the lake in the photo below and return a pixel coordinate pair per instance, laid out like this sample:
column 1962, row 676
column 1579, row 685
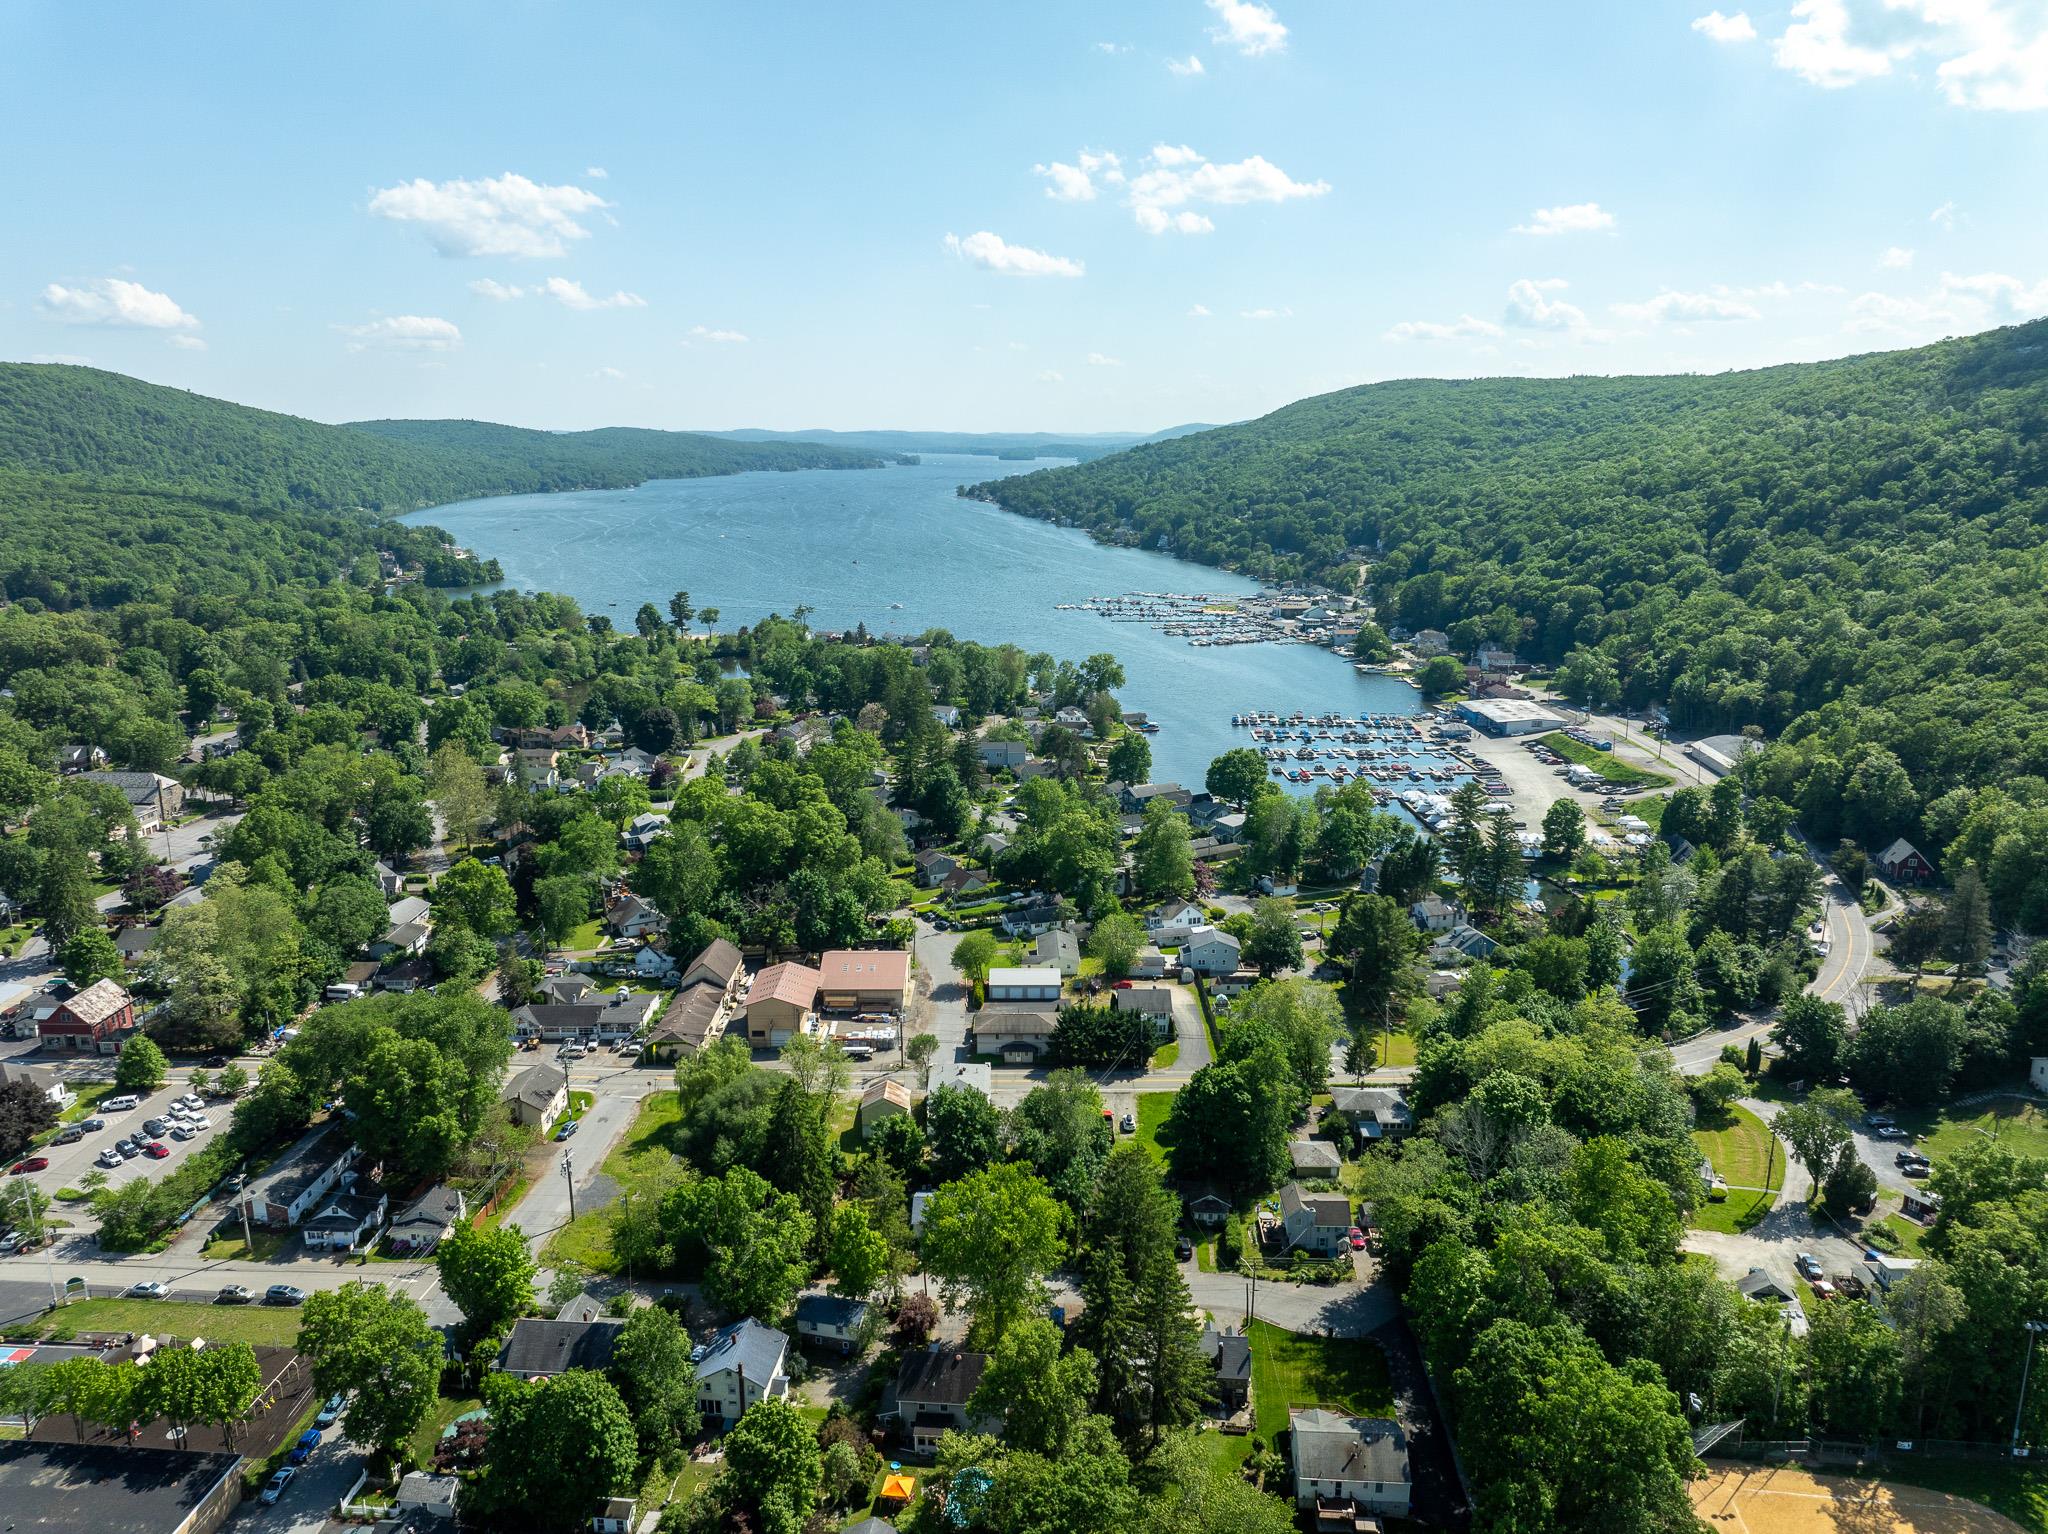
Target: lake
column 896, row 549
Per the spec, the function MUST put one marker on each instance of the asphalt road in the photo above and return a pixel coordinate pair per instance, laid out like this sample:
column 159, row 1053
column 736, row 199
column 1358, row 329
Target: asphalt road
column 545, row 1209
column 324, row 1479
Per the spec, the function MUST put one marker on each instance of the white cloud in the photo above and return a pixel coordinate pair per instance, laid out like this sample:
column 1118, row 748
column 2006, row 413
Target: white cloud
column 1530, row 307
column 1097, row 360
column 1944, row 217
column 1895, row 258
column 720, row 337
column 992, row 253
column 185, row 341
column 597, row 173
column 1464, row 327
column 1112, row 47
column 1686, row 308
column 115, row 301
column 1726, row 29
column 1991, row 55
column 565, row 291
column 1567, row 218
column 1160, row 197
column 1050, row 376
column 1248, row 26
column 1188, row 67
column 1076, row 182
column 506, row 215
column 1265, row 314
column 404, row 332
column 608, row 373
column 1198, row 311
column 2005, row 298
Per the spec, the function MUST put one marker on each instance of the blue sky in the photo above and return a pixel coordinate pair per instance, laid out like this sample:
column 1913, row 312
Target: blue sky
column 1056, row 216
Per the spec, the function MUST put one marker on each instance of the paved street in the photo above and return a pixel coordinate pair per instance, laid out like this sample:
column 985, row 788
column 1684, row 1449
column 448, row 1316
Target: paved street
column 545, row 1208
column 324, row 1479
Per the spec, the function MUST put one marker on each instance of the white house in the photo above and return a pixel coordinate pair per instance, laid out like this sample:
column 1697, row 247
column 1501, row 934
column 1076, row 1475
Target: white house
column 2039, row 1074
column 1349, row 1468
column 1172, row 922
column 1034, row 984
column 642, row 830
column 1433, row 915
column 299, row 1179
column 741, row 1364
column 1316, row 1223
column 349, row 1222
column 1210, row 951
column 831, row 1320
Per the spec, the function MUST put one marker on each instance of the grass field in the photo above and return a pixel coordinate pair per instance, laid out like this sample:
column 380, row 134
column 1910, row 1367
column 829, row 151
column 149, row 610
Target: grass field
column 420, row 1451
column 641, row 1153
column 2014, row 1122
column 1620, row 773
column 1152, row 1110
column 1166, row 1055
column 1750, row 1161
column 1290, row 1372
column 233, row 1249
column 274, row 1325
column 1754, row 1499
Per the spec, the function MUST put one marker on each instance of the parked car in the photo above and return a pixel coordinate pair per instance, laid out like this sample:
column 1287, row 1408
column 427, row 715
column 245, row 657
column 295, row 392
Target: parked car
column 108, row 1158
column 215, row 1062
column 10, row 1243
column 1129, row 1125
column 156, row 1150
column 92, row 1126
column 147, row 1289
column 284, row 1294
column 274, row 1487
column 120, row 1104
column 1183, row 1248
column 235, row 1294
column 1808, row 1266
column 29, row 1164
column 155, row 1127
column 1918, row 1168
column 127, row 1150
column 567, row 1129
column 1823, row 1290
column 330, row 1410
column 70, row 1134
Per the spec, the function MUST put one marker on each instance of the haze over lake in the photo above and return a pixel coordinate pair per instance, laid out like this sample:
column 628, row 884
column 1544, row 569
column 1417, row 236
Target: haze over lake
column 851, row 544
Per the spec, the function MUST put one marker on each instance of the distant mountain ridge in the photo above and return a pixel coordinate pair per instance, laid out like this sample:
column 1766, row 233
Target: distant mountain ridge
column 1011, row 445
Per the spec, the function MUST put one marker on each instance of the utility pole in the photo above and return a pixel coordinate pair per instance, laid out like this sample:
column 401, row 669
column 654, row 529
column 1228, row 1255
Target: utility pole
column 569, row 1177
column 248, row 1240
column 2034, row 1329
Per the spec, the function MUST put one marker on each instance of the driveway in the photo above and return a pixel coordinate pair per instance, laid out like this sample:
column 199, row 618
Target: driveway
column 325, row 1478
column 947, row 997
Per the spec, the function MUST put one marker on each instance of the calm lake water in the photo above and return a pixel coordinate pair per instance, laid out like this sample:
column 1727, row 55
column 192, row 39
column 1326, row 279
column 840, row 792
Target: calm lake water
column 852, row 544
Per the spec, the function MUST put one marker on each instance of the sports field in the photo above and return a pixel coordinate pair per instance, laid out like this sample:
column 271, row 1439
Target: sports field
column 1754, row 1499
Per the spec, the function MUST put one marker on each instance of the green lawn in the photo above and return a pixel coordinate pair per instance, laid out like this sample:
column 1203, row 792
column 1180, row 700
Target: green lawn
column 1750, row 1161
column 1289, row 1372
column 642, row 1152
column 420, row 1451
column 2014, row 1122
column 276, row 1325
column 585, row 939
column 1166, row 1055
column 1615, row 771
column 231, row 1248
column 1152, row 1110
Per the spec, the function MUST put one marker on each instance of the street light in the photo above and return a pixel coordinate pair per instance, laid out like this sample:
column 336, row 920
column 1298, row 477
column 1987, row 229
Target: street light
column 2034, row 1329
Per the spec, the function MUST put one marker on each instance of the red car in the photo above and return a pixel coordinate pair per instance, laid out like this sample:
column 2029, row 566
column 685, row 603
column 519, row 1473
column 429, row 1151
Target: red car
column 155, row 1150
column 32, row 1164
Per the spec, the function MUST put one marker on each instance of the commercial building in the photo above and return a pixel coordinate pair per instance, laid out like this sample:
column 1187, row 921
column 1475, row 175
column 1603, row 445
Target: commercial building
column 781, row 1004
column 60, row 1488
column 98, row 1020
column 1036, row 984
column 864, row 979
column 1507, row 716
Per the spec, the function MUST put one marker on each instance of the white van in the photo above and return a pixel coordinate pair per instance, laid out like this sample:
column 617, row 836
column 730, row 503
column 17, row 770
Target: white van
column 118, row 1104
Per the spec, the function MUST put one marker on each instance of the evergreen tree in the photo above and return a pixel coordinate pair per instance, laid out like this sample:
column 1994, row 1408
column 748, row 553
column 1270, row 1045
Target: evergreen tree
column 1967, row 936
column 799, row 1158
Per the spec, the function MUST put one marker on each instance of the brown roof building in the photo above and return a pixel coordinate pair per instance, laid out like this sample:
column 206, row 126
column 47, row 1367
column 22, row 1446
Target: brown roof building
column 864, row 979
column 98, row 1020
column 781, row 1004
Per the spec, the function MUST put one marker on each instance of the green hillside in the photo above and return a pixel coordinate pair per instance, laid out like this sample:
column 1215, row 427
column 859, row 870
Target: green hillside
column 1008, row 445
column 1848, row 552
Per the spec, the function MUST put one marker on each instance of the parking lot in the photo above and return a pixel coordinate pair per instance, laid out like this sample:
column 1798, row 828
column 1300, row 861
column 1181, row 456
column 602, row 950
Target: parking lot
column 70, row 1164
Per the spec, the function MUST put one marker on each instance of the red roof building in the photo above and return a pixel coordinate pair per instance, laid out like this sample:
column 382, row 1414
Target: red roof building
column 98, row 1020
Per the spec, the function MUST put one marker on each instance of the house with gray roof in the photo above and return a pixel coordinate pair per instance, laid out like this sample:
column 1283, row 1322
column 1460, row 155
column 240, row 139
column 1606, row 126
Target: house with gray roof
column 542, row 1349
column 932, row 1392
column 1376, row 1113
column 1348, row 1467
column 742, row 1364
column 1230, row 1355
column 300, row 1178
column 1316, row 1223
column 831, row 1320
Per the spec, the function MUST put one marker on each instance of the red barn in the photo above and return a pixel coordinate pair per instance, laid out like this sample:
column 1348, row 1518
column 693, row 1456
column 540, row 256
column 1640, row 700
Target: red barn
column 1902, row 863
column 97, row 1020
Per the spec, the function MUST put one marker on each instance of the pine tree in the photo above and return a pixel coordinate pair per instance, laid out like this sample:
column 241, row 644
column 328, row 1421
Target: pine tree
column 1968, row 935
column 799, row 1158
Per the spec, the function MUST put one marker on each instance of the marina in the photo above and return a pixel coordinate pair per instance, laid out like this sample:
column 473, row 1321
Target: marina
column 1210, row 619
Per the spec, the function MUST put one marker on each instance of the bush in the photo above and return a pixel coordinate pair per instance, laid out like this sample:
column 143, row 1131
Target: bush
column 1229, row 1245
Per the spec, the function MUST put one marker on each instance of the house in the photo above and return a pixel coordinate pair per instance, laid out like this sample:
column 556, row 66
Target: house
column 407, row 909
column 1316, row 1223
column 1431, row 642
column 539, row 1350
column 1316, row 1159
column 1757, row 1284
column 1071, row 718
column 1233, row 985
column 295, row 1183
column 972, row 1075
column 1023, row 985
column 403, row 976
column 1494, row 658
column 1172, row 922
column 1348, row 1468
column 933, row 866
column 134, row 943
column 630, row 916
column 1230, row 1355
column 536, row 1095
column 1136, row 796
column 412, row 923
column 643, row 830
column 42, row 1078
column 615, row 1515
column 742, row 1364
column 389, row 880
column 1014, row 1035
column 652, row 961
column 427, row 1221
column 1902, row 863
column 80, row 759
column 693, row 1019
column 1057, row 950
column 98, row 1020
column 566, row 990
column 863, row 979
column 348, row 1222
column 1919, row 1204
column 1433, row 915
column 886, row 1098
column 1208, row 1208
column 720, row 964
column 155, row 799
column 538, row 767
column 1029, row 920
column 1885, row 1269
column 932, row 1391
column 947, row 715
column 963, row 881
column 1002, row 753
column 433, row 1495
column 782, row 1004
column 597, row 1019
column 831, row 1320
column 1463, row 941
column 1150, row 964
column 1153, row 1002
column 873, row 1526
column 1211, row 951
column 1376, row 1113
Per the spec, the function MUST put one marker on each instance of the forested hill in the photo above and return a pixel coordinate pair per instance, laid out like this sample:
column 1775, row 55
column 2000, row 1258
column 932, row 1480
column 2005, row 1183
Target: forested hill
column 1860, row 536
column 1011, row 445
column 58, row 419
